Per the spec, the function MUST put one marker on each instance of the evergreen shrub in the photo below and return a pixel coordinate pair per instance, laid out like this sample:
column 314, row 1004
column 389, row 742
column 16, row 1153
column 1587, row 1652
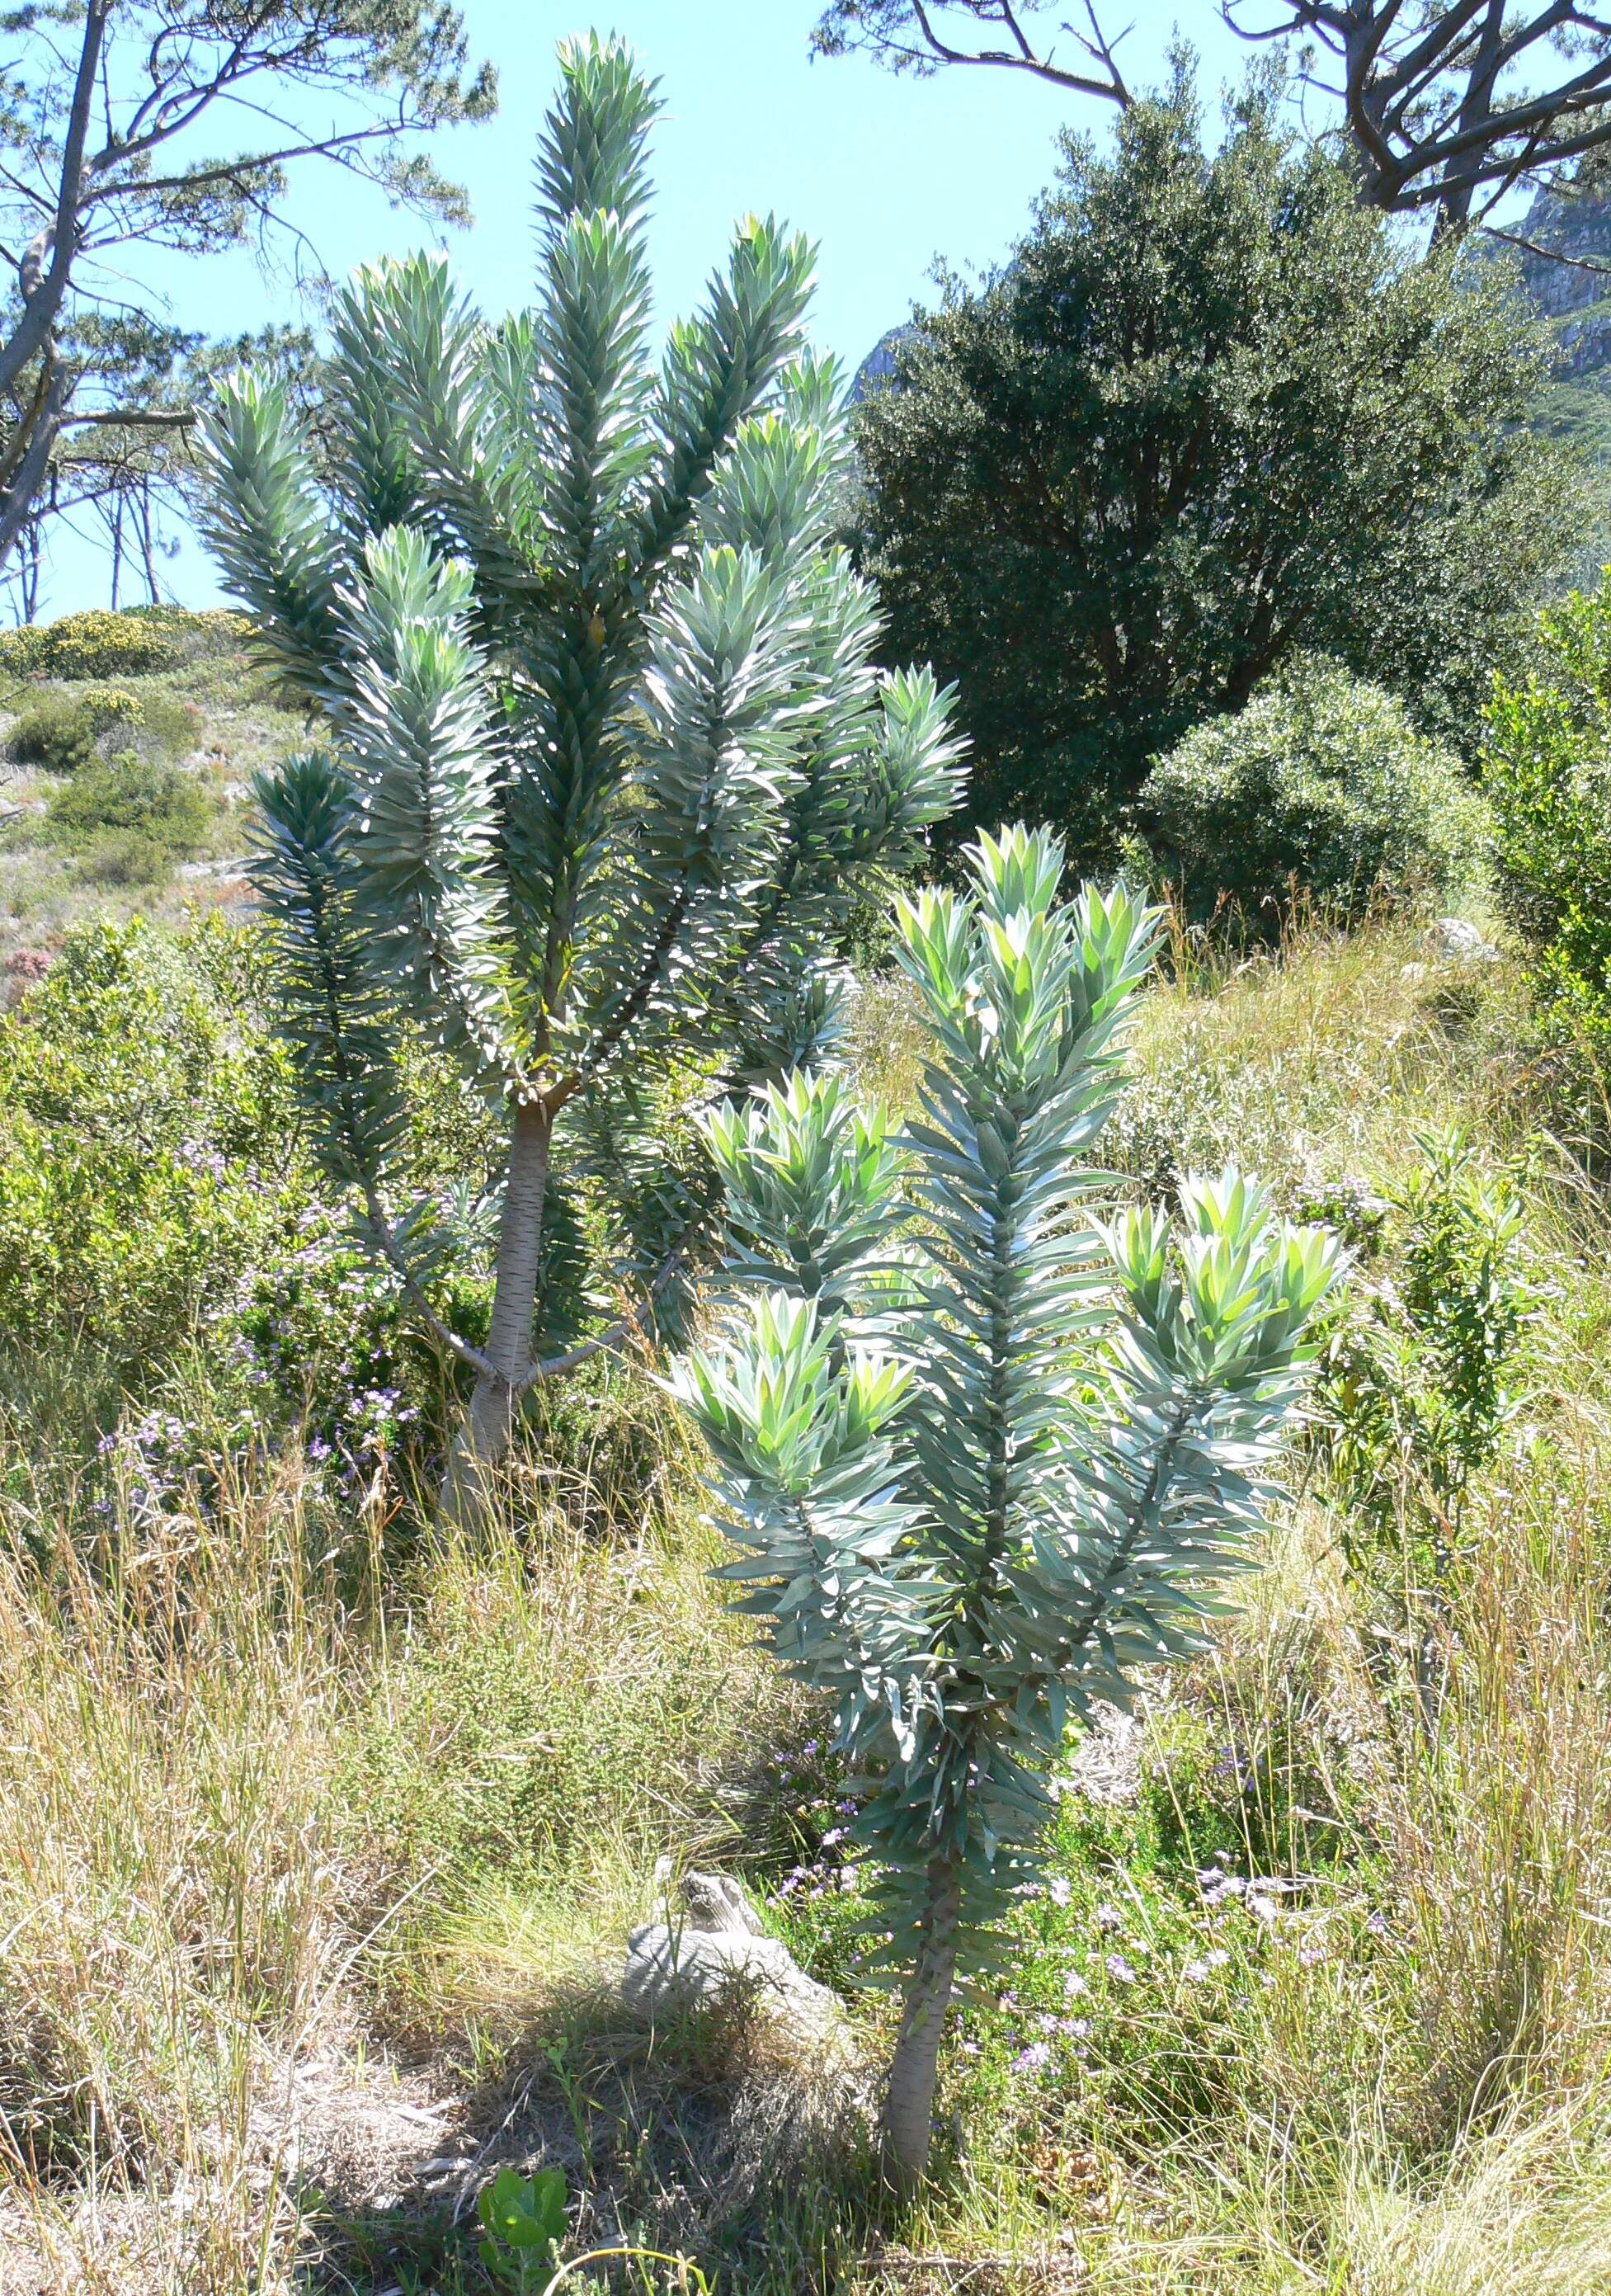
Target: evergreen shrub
column 1547, row 773
column 128, row 819
column 1321, row 786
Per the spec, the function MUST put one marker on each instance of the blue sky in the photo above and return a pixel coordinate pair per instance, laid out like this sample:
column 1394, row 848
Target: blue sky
column 884, row 172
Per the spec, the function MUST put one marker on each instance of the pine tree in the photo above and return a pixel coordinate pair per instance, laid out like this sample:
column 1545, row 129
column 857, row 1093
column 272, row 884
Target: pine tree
column 604, row 759
column 983, row 1453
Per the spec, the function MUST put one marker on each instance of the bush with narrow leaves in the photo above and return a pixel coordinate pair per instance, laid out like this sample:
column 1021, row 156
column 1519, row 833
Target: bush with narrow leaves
column 982, row 1453
column 149, row 1163
column 606, row 764
column 1547, row 771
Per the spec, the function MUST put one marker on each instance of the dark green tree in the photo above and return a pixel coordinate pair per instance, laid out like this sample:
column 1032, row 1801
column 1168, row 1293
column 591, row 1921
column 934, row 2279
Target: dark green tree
column 1215, row 411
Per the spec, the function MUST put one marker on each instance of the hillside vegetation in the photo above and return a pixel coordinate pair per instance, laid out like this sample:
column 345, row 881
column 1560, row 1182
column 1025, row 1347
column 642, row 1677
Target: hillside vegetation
column 600, row 1386
column 80, row 826
column 319, row 1837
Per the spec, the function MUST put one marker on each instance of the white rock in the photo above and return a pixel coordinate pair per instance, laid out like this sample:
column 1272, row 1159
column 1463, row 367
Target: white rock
column 720, row 1957
column 667, row 1968
column 1457, row 942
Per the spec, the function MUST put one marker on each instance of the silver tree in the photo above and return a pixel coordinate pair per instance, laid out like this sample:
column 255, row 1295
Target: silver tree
column 605, row 760
column 984, row 1455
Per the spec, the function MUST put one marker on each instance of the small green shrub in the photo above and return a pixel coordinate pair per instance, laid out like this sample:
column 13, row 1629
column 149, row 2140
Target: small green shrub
column 1421, row 1377
column 524, row 2221
column 60, row 730
column 1320, row 785
column 148, row 1161
column 1421, row 1384
column 129, row 818
column 163, row 725
column 93, row 644
column 1547, row 772
column 111, row 705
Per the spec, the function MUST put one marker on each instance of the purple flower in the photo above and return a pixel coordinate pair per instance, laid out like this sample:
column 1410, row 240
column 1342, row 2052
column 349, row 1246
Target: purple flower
column 1310, row 1954
column 1378, row 1925
column 1060, row 1889
column 1074, row 1984
column 1119, row 1969
column 1031, row 2060
column 1108, row 1918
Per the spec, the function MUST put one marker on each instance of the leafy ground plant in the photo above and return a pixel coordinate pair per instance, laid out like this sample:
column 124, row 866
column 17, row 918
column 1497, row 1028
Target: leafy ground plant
column 1545, row 774
column 608, row 761
column 1420, row 1392
column 1420, row 1386
column 982, row 1466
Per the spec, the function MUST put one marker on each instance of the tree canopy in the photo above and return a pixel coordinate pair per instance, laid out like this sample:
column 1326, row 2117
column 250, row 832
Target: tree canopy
column 1444, row 104
column 1213, row 411
column 127, row 125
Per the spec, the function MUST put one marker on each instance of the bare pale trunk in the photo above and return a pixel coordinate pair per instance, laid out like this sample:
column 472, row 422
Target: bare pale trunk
column 484, row 1437
column 908, row 2103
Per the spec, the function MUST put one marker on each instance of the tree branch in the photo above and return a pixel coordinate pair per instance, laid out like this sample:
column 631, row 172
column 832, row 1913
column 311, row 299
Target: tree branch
column 555, row 1367
column 42, row 300
column 1421, row 92
column 1550, row 254
column 386, row 1236
column 133, row 418
column 1021, row 55
column 224, row 172
column 17, row 501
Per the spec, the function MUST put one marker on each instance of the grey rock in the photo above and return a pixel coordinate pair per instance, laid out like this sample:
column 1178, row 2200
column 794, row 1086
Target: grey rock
column 1576, row 226
column 877, row 371
column 716, row 1904
column 720, row 1958
column 671, row 1968
column 1456, row 942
